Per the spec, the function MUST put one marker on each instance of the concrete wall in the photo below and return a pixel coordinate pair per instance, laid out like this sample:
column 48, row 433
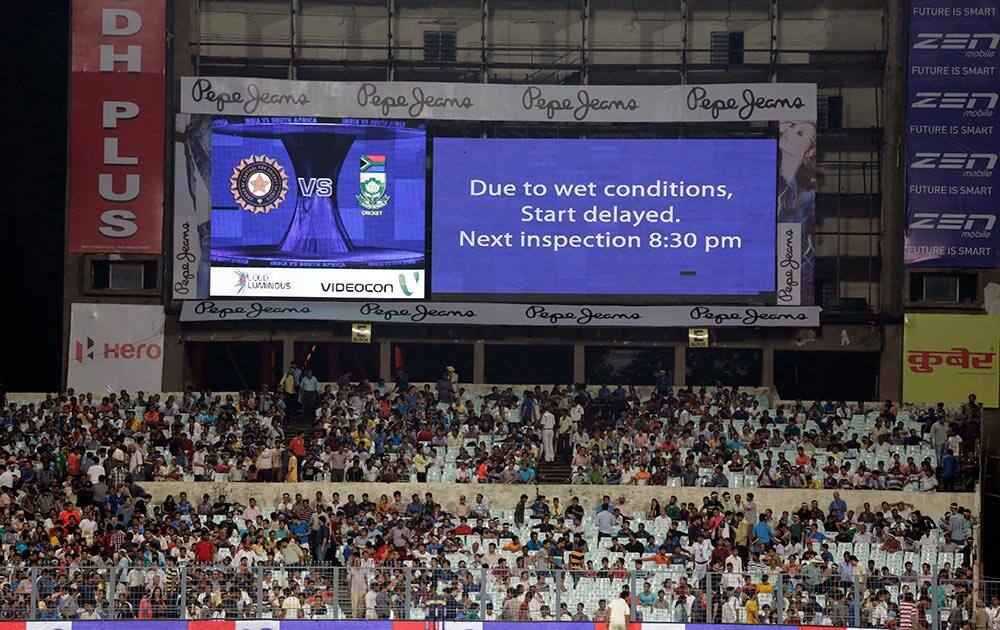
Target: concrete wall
column 506, row 496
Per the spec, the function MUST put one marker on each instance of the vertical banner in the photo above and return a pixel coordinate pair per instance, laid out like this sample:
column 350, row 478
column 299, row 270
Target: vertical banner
column 114, row 347
column 948, row 357
column 117, row 105
column 952, row 134
column 796, row 257
column 192, row 205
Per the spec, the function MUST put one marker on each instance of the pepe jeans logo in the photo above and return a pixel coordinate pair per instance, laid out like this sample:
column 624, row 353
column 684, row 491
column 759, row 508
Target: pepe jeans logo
column 250, row 311
column 789, row 266
column 534, row 99
column 203, row 90
column 581, row 316
column 746, row 316
column 188, row 261
column 416, row 314
column 369, row 96
column 699, row 99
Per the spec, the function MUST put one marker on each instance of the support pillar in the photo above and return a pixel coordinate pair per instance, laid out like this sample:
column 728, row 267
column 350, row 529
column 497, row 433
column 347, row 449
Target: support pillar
column 893, row 111
column 479, row 362
column 385, row 367
column 890, row 366
column 767, row 372
column 579, row 363
column 287, row 354
column 680, row 365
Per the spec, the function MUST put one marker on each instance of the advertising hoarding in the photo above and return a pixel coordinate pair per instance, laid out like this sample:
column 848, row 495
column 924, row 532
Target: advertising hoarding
column 114, row 347
column 948, row 357
column 609, row 220
column 116, row 125
column 952, row 134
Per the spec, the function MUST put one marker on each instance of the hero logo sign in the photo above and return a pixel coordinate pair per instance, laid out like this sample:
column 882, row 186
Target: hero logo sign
column 116, row 126
column 85, row 351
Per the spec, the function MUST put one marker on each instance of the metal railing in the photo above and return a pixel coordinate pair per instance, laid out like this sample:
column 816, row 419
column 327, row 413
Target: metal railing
column 510, row 593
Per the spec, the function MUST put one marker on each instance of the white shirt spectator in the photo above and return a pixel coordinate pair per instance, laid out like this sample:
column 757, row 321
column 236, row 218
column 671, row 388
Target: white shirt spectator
column 618, row 611
column 730, row 610
column 94, row 473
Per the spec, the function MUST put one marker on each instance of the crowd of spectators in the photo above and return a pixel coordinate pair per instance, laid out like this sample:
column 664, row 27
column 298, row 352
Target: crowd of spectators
column 412, row 557
column 402, row 432
column 81, row 538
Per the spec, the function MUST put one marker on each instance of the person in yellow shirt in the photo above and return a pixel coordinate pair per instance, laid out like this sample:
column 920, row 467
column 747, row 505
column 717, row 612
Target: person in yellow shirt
column 765, row 585
column 514, row 544
column 753, row 608
column 287, row 388
column 419, row 466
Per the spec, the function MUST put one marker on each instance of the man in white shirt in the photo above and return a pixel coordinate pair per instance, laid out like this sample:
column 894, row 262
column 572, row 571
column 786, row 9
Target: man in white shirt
column 95, row 472
column 731, row 608
column 6, row 478
column 548, row 436
column 731, row 579
column 619, row 613
column 701, row 550
column 736, row 561
column 290, row 605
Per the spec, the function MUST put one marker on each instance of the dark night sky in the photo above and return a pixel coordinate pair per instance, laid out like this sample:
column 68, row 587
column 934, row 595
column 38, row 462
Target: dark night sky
column 36, row 42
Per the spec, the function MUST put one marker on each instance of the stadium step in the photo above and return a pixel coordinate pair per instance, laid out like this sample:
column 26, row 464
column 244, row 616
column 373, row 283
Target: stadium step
column 554, row 472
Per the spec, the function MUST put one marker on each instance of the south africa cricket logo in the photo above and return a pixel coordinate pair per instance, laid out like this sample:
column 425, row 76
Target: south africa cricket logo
column 372, row 176
column 258, row 184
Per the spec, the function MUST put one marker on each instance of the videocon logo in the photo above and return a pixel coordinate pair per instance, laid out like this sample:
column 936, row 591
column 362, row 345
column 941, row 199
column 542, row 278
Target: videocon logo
column 406, row 289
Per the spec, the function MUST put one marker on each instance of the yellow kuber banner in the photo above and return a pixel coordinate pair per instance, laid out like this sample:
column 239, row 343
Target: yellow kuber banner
column 948, row 357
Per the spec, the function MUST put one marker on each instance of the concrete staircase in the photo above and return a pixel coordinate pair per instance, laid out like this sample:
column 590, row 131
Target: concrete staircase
column 554, row 472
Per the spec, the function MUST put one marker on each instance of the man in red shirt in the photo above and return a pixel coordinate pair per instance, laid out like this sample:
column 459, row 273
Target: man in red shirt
column 204, row 549
column 73, row 463
column 298, row 447
column 907, row 612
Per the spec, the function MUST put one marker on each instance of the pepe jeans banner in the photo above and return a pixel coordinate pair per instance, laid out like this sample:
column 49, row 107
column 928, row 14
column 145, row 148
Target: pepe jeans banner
column 739, row 102
column 953, row 134
column 495, row 314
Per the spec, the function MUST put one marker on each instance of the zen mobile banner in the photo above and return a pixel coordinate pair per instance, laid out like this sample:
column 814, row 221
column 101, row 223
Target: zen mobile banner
column 952, row 134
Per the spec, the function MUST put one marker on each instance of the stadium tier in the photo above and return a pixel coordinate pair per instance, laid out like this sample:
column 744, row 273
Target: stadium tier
column 470, row 314
column 218, row 506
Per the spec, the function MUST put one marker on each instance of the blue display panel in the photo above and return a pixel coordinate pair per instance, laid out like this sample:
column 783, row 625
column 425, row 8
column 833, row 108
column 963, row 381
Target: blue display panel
column 604, row 219
column 305, row 208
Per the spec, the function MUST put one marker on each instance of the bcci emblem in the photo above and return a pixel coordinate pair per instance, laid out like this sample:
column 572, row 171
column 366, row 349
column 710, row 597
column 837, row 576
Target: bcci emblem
column 372, row 195
column 259, row 184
